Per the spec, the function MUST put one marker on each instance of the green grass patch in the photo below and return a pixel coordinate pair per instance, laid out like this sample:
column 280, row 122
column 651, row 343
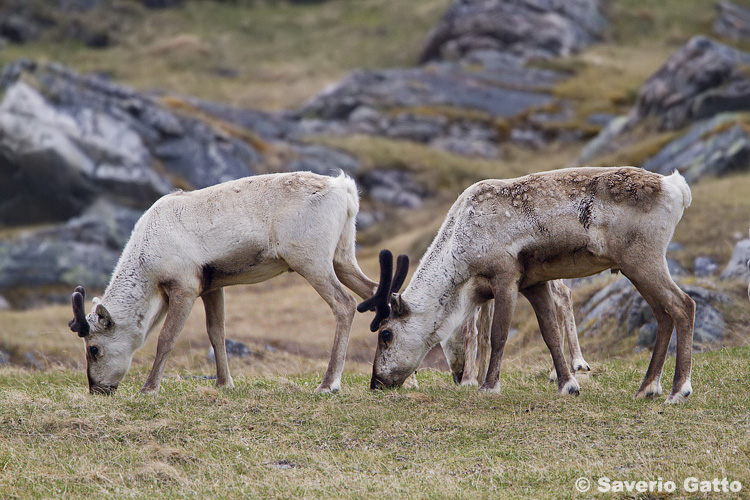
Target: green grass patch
column 273, row 437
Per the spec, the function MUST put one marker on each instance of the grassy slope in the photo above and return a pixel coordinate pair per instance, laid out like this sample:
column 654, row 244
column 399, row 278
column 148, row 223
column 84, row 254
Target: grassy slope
column 283, row 53
column 272, row 437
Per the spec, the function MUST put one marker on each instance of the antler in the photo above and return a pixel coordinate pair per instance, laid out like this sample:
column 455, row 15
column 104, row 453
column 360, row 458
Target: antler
column 79, row 324
column 380, row 302
column 402, row 269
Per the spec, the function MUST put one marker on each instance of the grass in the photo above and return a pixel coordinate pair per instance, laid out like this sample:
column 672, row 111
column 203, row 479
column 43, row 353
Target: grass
column 272, row 437
column 256, row 54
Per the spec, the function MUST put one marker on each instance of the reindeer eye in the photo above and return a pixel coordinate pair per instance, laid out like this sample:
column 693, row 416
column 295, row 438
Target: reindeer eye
column 93, row 351
column 386, row 336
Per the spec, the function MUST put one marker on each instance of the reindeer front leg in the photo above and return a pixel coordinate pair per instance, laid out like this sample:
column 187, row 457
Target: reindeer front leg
column 506, row 294
column 214, row 305
column 180, row 304
column 540, row 297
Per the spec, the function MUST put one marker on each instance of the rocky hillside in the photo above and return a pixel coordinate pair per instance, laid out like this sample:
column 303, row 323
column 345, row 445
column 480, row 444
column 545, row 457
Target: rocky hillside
column 82, row 154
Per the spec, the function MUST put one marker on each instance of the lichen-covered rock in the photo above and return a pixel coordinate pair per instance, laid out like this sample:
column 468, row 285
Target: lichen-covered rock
column 66, row 139
column 619, row 303
column 525, row 28
column 737, row 267
column 704, row 266
column 54, row 162
column 732, row 21
column 699, row 88
column 701, row 79
column 394, row 187
column 421, row 87
column 45, row 265
column 710, row 148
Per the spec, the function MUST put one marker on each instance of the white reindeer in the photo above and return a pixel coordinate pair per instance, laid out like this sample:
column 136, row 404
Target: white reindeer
column 468, row 349
column 505, row 236
column 192, row 244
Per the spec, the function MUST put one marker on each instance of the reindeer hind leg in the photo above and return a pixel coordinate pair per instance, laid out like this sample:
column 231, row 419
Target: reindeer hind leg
column 214, row 305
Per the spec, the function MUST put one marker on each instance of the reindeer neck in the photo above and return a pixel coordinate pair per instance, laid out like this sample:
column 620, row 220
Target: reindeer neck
column 436, row 292
column 133, row 300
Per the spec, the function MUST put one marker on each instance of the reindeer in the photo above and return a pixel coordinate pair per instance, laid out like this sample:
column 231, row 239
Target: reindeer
column 502, row 237
column 468, row 349
column 193, row 244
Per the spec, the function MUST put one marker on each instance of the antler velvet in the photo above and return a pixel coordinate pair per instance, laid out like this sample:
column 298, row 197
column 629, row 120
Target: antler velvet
column 79, row 324
column 389, row 284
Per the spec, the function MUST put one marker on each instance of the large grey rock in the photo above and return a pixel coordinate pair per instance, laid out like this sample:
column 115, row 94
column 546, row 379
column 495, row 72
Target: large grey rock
column 54, row 162
column 709, row 148
column 704, row 266
column 421, row 87
column 45, row 265
column 525, row 28
column 411, row 103
column 66, row 139
column 620, row 304
column 701, row 79
column 737, row 267
column 394, row 187
column 698, row 89
column 732, row 21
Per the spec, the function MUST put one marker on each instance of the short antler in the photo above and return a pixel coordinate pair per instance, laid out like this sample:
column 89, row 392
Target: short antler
column 380, row 302
column 79, row 324
column 402, row 268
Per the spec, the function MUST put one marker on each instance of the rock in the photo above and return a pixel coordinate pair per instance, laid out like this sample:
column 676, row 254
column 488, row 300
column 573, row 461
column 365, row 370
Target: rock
column 234, row 350
column 675, row 269
column 466, row 146
column 701, row 79
column 421, row 87
column 732, row 22
column 737, row 267
column 710, row 148
column 394, row 187
column 70, row 138
column 525, row 28
column 698, row 88
column 620, row 304
column 17, row 28
column 54, row 162
column 161, row 4
column 322, row 160
column 408, row 104
column 675, row 247
column 45, row 265
column 704, row 266
column 602, row 143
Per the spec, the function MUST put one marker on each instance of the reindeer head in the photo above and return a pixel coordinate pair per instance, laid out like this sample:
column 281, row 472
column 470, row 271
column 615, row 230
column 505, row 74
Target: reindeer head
column 107, row 357
column 398, row 354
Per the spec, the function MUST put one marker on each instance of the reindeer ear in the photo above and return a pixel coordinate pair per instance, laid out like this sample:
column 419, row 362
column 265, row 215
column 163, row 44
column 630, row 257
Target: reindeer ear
column 398, row 306
column 104, row 317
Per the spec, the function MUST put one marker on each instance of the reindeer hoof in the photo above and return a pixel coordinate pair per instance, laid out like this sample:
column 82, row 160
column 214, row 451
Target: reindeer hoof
column 580, row 366
column 570, row 387
column 650, row 391
column 226, row 385
column 678, row 397
column 472, row 382
column 490, row 389
column 326, row 390
column 552, row 376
